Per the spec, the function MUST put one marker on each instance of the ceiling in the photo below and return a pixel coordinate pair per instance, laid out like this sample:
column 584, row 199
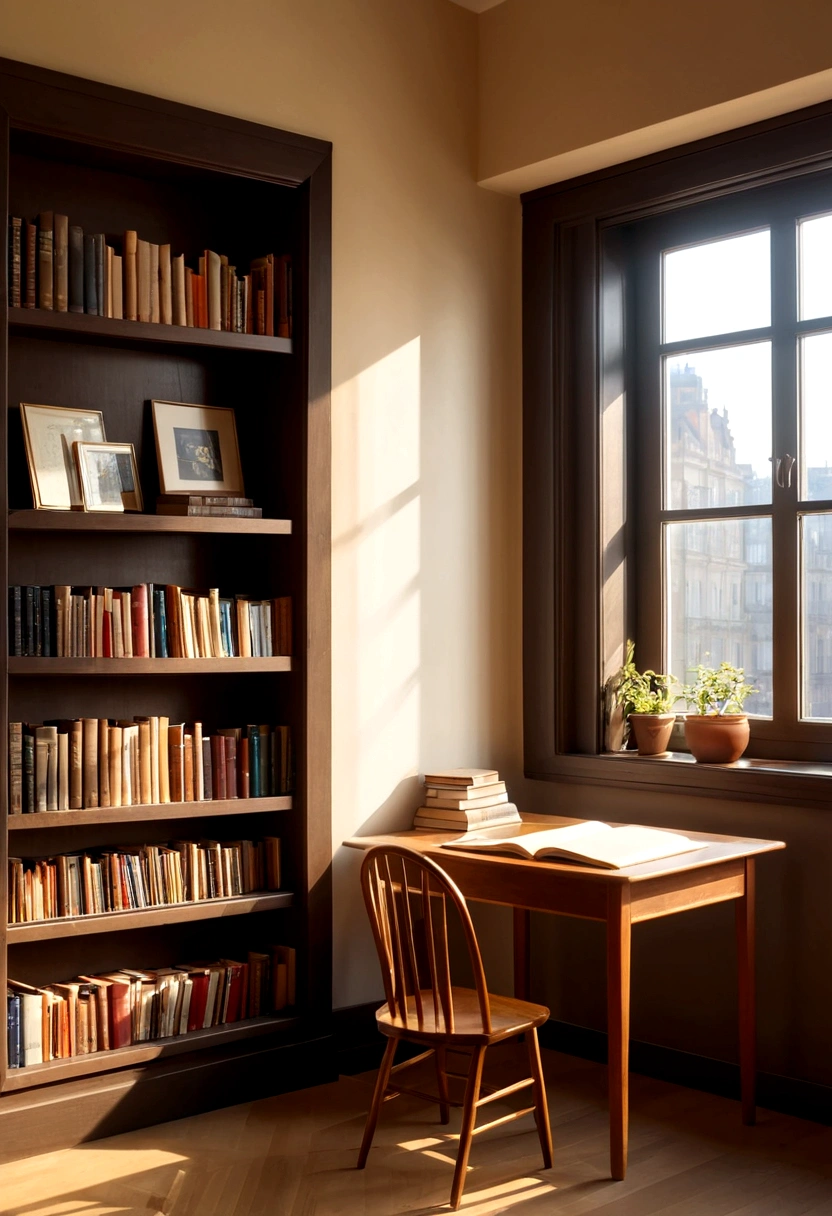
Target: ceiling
column 478, row 6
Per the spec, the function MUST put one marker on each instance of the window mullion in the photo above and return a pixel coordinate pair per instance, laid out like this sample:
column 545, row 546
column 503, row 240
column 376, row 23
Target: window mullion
column 785, row 555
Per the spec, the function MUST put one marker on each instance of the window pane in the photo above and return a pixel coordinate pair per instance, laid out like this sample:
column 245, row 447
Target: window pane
column 717, row 288
column 718, row 427
column 815, row 242
column 816, row 417
column 719, row 610
column 817, row 616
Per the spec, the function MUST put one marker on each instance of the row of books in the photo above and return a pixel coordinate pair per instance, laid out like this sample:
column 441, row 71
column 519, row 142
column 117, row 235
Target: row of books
column 55, row 265
column 95, row 1013
column 144, row 876
column 149, row 620
column 72, row 764
column 460, row 799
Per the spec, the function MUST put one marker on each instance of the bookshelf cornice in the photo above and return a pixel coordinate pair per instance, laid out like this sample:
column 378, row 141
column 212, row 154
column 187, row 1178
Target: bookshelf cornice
column 46, row 820
column 85, row 327
column 145, row 667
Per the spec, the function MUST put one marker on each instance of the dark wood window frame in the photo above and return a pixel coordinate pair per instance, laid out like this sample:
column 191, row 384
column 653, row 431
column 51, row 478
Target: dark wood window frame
column 576, row 538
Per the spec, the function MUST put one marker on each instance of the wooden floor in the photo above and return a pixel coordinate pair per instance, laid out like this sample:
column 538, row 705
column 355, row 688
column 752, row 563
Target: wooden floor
column 294, row 1156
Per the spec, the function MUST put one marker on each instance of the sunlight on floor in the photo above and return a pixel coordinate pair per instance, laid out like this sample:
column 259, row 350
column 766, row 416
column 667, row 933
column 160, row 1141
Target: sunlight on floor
column 42, row 1183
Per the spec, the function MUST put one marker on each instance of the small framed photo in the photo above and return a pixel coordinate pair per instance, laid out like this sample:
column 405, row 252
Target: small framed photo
column 196, row 446
column 49, row 433
column 109, row 477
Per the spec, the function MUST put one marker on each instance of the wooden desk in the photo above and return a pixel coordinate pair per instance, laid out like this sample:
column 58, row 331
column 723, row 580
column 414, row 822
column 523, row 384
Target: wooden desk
column 722, row 870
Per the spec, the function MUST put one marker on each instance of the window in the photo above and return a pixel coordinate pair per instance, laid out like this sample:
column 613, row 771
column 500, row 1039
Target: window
column 732, row 447
column 658, row 401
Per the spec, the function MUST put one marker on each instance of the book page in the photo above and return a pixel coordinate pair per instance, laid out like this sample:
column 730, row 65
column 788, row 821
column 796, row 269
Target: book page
column 624, row 846
column 533, row 839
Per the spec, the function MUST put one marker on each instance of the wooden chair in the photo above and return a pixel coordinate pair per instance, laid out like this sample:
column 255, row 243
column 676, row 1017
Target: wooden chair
column 410, row 901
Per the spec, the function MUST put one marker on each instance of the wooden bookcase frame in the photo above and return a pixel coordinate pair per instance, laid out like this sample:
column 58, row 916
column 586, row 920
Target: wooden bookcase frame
column 108, row 128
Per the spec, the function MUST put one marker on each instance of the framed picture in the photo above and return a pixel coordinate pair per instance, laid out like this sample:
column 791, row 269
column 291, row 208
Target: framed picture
column 49, row 432
column 196, row 446
column 109, row 477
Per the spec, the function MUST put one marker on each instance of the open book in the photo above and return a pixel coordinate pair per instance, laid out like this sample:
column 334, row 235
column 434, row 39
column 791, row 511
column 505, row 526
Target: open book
column 608, row 846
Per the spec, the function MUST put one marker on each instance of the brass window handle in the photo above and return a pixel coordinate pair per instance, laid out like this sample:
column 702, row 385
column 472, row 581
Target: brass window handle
column 783, row 470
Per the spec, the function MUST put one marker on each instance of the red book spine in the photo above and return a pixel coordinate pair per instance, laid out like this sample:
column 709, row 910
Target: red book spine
column 199, row 999
column 108, row 635
column 120, row 1017
column 141, row 638
column 218, row 766
column 235, row 993
column 230, row 766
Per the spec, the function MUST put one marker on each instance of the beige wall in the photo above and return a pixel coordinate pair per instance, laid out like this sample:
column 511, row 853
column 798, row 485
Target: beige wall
column 571, row 87
column 425, row 339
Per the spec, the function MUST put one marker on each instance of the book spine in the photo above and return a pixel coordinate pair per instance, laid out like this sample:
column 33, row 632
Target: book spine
column 16, row 621
column 143, row 279
column 90, row 777
column 76, row 269
column 15, row 261
column 15, row 768
column 230, row 766
column 29, row 804
column 76, row 766
column 139, row 608
column 118, row 287
column 90, row 282
column 100, row 264
column 154, row 284
column 165, row 286
column 61, row 263
column 31, row 297
column 104, row 763
column 109, row 260
column 45, row 263
column 180, row 314
column 130, row 271
column 207, row 769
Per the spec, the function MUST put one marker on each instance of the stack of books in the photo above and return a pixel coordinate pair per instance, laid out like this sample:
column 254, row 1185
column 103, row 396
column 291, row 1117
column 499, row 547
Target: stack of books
column 210, row 505
column 103, row 1012
column 461, row 799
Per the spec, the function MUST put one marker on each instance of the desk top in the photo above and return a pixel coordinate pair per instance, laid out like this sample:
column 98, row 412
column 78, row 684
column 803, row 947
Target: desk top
column 717, row 849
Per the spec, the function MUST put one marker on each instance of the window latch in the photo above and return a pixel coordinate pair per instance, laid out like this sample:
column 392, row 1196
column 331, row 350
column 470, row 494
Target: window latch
column 783, row 471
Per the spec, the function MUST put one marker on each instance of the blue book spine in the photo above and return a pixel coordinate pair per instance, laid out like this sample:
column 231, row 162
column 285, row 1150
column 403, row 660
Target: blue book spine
column 13, row 1023
column 160, row 624
column 225, row 627
column 254, row 761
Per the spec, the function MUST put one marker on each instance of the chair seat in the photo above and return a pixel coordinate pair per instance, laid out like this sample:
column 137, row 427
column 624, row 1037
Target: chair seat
column 509, row 1016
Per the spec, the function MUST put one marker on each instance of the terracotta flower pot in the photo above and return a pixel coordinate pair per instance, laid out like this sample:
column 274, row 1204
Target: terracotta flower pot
column 717, row 738
column 652, row 732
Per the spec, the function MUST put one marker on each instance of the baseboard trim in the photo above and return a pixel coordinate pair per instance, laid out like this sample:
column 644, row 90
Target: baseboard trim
column 359, row 1048
column 787, row 1095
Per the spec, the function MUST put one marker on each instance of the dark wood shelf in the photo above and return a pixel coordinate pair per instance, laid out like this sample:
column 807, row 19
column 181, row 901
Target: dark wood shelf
column 141, row 918
column 81, row 521
column 144, row 667
column 140, row 1053
column 79, row 325
column 142, row 814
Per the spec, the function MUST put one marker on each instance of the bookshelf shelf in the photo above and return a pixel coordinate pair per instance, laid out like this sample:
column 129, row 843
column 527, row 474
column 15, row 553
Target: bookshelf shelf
column 141, row 1053
column 47, row 820
column 201, row 183
column 96, row 329
column 79, row 521
column 144, row 667
column 140, row 918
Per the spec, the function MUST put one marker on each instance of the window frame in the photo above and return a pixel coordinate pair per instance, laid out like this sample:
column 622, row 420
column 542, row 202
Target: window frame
column 576, row 601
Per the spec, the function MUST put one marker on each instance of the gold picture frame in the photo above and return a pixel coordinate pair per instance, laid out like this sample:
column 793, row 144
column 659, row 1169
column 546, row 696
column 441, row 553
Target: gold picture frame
column 109, row 476
column 197, row 449
column 49, row 432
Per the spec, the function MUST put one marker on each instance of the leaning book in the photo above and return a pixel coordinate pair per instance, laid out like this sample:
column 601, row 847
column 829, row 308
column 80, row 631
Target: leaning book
column 607, row 846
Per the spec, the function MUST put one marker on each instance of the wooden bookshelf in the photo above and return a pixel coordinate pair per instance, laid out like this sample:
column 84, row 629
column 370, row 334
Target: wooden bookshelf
column 145, row 667
column 141, row 1053
column 81, row 521
column 113, row 160
column 80, row 327
column 142, row 918
column 50, row 820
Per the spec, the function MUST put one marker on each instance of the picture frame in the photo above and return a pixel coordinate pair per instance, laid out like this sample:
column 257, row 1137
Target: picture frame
column 197, row 449
column 49, row 433
column 109, row 476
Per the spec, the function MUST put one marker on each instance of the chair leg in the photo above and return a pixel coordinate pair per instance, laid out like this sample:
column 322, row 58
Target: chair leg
column 378, row 1100
column 544, row 1129
column 442, row 1085
column 469, row 1118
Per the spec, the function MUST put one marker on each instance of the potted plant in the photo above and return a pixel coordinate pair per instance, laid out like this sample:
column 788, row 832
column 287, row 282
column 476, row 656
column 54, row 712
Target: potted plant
column 718, row 731
column 646, row 699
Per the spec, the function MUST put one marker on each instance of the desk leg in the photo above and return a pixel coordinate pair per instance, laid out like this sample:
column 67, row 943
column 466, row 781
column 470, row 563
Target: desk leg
column 744, row 909
column 522, row 953
column 618, row 1023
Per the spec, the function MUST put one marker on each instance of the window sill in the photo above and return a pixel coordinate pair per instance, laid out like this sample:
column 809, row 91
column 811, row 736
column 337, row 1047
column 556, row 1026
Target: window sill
column 797, row 783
